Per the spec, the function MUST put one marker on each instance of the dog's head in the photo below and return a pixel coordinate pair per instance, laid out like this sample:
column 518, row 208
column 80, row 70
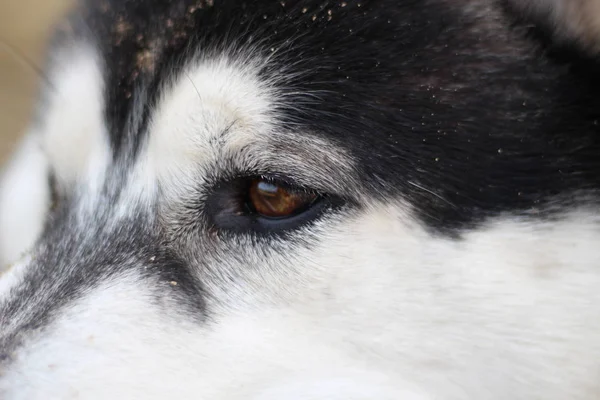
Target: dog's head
column 304, row 199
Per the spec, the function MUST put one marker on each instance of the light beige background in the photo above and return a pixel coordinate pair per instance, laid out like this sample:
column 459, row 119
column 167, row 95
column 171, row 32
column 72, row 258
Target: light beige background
column 24, row 27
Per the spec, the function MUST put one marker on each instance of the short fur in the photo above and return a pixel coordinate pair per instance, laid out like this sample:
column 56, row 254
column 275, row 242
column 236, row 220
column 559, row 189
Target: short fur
column 454, row 256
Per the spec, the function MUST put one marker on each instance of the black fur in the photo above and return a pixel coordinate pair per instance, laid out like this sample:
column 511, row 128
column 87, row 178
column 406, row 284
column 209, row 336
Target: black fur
column 457, row 107
column 73, row 258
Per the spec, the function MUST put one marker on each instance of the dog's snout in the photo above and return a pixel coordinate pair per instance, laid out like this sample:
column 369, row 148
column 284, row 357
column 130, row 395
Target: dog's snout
column 345, row 387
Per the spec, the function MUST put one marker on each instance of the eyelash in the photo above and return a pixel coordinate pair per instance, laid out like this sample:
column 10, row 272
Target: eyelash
column 226, row 206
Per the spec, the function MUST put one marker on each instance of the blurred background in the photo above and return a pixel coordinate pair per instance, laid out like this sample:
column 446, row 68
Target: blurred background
column 24, row 26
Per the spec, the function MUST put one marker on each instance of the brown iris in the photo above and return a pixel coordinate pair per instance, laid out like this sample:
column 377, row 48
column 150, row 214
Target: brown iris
column 274, row 201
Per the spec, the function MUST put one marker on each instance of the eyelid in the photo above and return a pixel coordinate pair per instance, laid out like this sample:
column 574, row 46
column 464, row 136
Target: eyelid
column 226, row 207
column 286, row 184
column 314, row 175
column 280, row 179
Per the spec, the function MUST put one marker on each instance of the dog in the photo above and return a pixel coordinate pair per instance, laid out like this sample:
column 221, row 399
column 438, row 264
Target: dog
column 307, row 199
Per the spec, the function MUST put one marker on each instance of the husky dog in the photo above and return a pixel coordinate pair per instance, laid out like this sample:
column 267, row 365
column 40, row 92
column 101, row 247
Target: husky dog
column 278, row 200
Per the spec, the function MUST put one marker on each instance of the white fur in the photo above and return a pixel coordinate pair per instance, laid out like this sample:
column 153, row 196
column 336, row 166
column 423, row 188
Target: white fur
column 577, row 20
column 186, row 130
column 69, row 141
column 24, row 200
column 509, row 313
column 74, row 135
column 376, row 307
column 220, row 109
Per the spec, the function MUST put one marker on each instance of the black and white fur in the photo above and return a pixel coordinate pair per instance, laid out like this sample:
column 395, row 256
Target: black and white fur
column 456, row 255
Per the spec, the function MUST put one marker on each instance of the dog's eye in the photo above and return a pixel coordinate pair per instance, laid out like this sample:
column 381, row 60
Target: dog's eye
column 268, row 199
column 268, row 205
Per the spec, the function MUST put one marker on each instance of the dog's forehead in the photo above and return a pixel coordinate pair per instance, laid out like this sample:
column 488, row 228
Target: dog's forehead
column 312, row 49
column 402, row 88
column 340, row 70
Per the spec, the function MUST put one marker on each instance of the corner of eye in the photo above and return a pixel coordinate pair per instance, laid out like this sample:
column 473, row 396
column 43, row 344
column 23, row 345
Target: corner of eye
column 571, row 21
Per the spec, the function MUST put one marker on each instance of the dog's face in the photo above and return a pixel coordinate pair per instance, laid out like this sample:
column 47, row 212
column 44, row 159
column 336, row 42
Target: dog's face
column 304, row 200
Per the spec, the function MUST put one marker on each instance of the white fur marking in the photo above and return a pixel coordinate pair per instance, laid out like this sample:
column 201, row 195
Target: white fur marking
column 24, row 200
column 74, row 133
